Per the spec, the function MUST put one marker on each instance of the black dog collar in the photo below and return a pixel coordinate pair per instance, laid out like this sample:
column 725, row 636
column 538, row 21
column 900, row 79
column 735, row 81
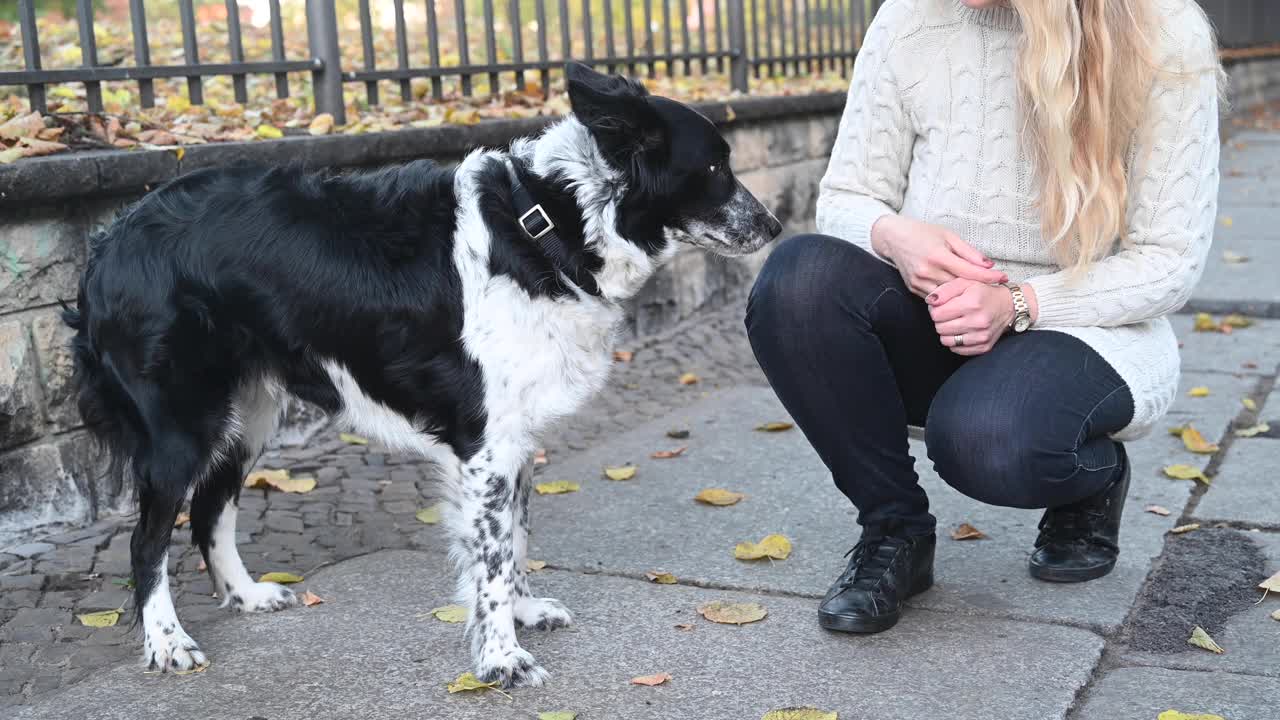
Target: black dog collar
column 539, row 227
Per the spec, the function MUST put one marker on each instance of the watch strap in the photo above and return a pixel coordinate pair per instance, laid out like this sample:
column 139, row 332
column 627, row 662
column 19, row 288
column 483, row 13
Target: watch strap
column 1020, row 308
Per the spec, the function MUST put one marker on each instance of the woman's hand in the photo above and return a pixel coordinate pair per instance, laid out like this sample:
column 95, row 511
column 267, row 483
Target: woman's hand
column 975, row 312
column 929, row 255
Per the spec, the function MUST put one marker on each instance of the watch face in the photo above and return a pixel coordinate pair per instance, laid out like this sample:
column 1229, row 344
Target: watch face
column 1021, row 324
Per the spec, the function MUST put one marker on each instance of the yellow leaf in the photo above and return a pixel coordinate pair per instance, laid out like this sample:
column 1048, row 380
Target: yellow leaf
column 430, row 515
column 284, row 578
column 309, row 598
column 106, row 618
column 534, row 565
column 1271, row 584
column 1249, row 404
column 300, row 484
column 1195, row 442
column 1200, row 391
column 1157, row 510
column 1236, row 320
column 557, row 716
column 1201, row 639
column 350, row 439
column 1204, row 322
column 1179, row 715
column 732, row 613
column 450, row 613
column 774, row 546
column 179, row 152
column 557, row 487
column 625, row 472
column 1185, row 528
column 468, row 682
column 268, row 132
column 1233, row 258
column 11, row 155
column 729, row 114
column 651, row 680
column 718, row 496
column 1176, row 430
column 462, row 116
column 177, row 104
column 1185, row 472
column 1252, row 430
column 688, row 379
column 800, row 713
column 322, row 124
column 775, row 427
column 662, row 578
column 1227, row 221
column 668, row 454
column 265, row 478
column 967, row 532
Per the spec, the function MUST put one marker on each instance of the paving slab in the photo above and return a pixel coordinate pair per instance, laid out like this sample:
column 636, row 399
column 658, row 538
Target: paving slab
column 365, row 653
column 1142, row 693
column 1251, row 638
column 1258, row 346
column 1245, row 488
column 645, row 524
column 1248, row 287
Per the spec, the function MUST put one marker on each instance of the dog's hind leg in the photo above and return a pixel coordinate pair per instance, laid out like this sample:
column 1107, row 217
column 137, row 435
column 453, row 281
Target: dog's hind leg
column 482, row 519
column 534, row 612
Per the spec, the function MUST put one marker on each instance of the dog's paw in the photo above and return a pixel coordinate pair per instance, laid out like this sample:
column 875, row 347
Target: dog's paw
column 511, row 668
column 172, row 652
column 261, row 597
column 542, row 613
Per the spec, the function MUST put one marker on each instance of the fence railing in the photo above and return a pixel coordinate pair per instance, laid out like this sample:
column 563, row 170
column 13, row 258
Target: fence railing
column 739, row 39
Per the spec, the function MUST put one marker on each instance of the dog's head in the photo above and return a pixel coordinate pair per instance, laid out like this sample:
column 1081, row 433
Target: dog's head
column 675, row 166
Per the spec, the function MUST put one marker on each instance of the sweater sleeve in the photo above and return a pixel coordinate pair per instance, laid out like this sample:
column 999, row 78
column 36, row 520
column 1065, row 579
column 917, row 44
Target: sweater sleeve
column 1172, row 208
column 867, row 175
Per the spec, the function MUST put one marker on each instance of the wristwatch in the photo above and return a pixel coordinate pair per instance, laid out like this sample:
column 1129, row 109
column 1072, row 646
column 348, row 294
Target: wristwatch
column 1021, row 311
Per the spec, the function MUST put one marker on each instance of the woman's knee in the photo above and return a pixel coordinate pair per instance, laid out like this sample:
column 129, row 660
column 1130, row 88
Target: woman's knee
column 994, row 458
column 803, row 276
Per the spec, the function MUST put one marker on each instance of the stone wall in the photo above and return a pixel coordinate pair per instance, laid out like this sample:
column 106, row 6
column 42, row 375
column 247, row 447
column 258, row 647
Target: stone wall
column 49, row 207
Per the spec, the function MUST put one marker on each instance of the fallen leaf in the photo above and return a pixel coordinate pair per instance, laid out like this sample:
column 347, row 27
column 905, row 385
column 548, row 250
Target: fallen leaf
column 1271, row 584
column 12, row 154
column 678, row 433
column 1275, row 615
column 662, row 578
column 556, row 488
column 1233, row 257
column 1185, row 528
column 106, row 618
column 687, row 626
column 688, row 379
column 179, row 152
column 557, row 716
column 1252, row 430
column 1201, row 639
column 350, row 439
column 623, row 355
column 1157, row 510
column 1249, row 404
column 651, row 680
column 182, row 519
column 1176, row 430
column 1236, row 320
column 1185, row 472
column 1204, row 322
column 625, row 472
column 21, row 126
column 732, row 613
column 718, row 496
column 667, row 454
column 729, row 114
column 194, row 670
column 462, row 116
column 429, row 515
column 309, row 598
column 268, row 132
column 1195, row 442
column 468, row 682
column 774, row 546
column 280, row 480
column 775, row 427
column 967, row 532
column 1200, row 391
column 321, row 124
column 534, row 565
column 1179, row 715
column 1227, row 221
column 1249, row 365
column 284, row 578
column 800, row 713
column 450, row 613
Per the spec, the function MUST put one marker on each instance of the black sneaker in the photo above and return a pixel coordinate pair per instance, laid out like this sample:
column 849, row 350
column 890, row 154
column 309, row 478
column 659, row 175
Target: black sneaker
column 1080, row 542
column 884, row 569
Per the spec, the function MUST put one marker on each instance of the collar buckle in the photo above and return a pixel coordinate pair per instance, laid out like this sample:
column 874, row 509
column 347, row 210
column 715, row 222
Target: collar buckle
column 524, row 224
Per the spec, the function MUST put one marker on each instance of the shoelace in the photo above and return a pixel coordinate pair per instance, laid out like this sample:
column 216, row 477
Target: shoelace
column 1067, row 526
column 868, row 564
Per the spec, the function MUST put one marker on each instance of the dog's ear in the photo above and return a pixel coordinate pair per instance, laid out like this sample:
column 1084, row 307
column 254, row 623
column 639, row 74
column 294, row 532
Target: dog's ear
column 614, row 109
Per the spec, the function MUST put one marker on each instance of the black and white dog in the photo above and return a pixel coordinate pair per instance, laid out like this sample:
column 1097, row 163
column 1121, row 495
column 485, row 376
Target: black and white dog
column 451, row 312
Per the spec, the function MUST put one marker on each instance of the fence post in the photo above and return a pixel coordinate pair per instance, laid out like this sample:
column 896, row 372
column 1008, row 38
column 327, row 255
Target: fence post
column 326, row 77
column 738, row 60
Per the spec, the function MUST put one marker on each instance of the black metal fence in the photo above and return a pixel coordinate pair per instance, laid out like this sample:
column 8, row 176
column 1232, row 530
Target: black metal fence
column 740, row 38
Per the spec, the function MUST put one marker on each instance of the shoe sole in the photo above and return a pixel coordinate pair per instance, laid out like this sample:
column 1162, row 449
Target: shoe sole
column 1078, row 575
column 868, row 625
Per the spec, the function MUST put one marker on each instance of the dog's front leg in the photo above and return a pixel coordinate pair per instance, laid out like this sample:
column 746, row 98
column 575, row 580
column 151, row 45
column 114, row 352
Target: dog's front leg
column 484, row 525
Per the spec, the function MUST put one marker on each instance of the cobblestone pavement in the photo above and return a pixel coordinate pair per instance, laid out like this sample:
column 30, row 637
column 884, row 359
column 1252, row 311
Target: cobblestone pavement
column 366, row 500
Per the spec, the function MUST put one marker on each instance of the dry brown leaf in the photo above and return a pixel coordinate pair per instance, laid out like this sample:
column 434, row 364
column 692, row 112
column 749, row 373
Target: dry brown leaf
column 1157, row 510
column 732, row 613
column 774, row 427
column 718, row 496
column 687, row 626
column 678, row 433
column 1275, row 615
column 182, row 519
column 624, row 472
column 534, row 565
column 775, row 547
column 651, row 680
column 662, row 578
column 1195, row 442
column 34, row 147
column 309, row 598
column 623, row 355
column 967, row 532
column 1185, row 528
column 1233, row 258
column 321, row 124
column 688, row 379
column 667, row 454
column 1271, row 584
column 22, row 126
column 468, row 682
column 1201, row 639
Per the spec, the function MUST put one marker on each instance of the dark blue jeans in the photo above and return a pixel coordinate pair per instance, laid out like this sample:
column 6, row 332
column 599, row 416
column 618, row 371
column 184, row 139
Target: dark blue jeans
column 854, row 357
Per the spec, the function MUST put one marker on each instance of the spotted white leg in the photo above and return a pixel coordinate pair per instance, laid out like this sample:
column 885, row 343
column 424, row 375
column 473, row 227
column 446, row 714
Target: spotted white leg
column 235, row 586
column 530, row 611
column 166, row 647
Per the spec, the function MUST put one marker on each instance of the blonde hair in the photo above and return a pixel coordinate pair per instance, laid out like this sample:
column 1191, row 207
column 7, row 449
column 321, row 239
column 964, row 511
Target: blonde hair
column 1085, row 72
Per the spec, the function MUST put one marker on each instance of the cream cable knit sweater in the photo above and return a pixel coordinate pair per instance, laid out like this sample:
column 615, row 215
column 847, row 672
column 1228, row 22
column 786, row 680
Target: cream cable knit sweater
column 931, row 131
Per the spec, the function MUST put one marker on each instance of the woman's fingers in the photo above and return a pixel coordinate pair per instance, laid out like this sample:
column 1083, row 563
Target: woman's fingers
column 961, row 268
column 947, row 291
column 965, row 250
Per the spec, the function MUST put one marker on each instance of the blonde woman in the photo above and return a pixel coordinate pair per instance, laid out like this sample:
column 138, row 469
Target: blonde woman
column 1020, row 192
